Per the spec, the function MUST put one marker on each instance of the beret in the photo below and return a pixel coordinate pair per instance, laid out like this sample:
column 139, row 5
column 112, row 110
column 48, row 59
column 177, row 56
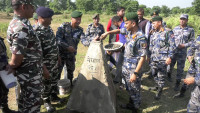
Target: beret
column 44, row 12
column 184, row 16
column 76, row 14
column 95, row 16
column 35, row 16
column 157, row 18
column 131, row 16
column 19, row 2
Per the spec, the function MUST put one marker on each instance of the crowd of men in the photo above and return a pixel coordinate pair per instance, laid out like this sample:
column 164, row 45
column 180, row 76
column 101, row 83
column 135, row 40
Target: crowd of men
column 39, row 56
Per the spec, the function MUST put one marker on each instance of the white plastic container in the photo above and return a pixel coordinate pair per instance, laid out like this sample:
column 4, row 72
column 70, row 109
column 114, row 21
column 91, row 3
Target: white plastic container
column 9, row 80
column 64, row 86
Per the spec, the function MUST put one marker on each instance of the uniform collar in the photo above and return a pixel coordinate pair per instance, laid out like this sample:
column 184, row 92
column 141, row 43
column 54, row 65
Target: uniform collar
column 24, row 20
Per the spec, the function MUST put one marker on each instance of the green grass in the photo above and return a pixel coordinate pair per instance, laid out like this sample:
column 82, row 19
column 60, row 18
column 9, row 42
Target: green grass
column 165, row 105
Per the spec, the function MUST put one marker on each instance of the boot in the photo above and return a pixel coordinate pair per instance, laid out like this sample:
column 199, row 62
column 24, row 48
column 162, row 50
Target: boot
column 181, row 93
column 129, row 106
column 7, row 110
column 49, row 107
column 149, row 73
column 158, row 93
column 169, row 78
column 176, row 88
column 55, row 98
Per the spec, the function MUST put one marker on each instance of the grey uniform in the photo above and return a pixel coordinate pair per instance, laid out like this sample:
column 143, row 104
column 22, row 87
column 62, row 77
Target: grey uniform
column 67, row 36
column 134, row 49
column 182, row 36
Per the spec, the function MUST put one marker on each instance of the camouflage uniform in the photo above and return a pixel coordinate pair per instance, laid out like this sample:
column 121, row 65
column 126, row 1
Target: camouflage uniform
column 93, row 31
column 23, row 41
column 161, row 47
column 182, row 36
column 50, row 59
column 134, row 49
column 66, row 37
column 194, row 103
column 3, row 63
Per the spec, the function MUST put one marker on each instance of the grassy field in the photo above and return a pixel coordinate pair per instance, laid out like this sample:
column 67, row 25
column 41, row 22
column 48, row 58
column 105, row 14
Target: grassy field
column 165, row 105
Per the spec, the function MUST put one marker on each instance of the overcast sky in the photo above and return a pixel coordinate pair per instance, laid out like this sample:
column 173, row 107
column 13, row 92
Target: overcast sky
column 169, row 3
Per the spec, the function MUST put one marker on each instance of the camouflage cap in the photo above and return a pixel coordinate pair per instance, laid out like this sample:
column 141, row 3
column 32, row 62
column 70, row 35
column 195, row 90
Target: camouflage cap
column 35, row 16
column 76, row 14
column 95, row 16
column 131, row 16
column 185, row 16
column 157, row 18
column 19, row 2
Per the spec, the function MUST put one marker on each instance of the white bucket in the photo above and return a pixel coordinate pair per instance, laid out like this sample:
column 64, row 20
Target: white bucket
column 64, row 86
column 8, row 80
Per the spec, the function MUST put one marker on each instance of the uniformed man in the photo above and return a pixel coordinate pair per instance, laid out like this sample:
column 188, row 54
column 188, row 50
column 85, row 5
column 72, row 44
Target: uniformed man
column 161, row 51
column 194, row 53
column 148, row 32
column 50, row 55
column 184, row 37
column 3, row 90
column 26, row 56
column 94, row 29
column 134, row 56
column 68, row 35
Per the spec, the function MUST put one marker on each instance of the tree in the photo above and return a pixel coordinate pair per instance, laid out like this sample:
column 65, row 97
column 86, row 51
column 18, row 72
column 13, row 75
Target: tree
column 156, row 8
column 176, row 10
column 196, row 7
column 165, row 10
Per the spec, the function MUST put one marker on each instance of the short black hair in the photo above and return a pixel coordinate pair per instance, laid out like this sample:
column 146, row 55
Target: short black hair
column 116, row 19
column 120, row 8
column 141, row 10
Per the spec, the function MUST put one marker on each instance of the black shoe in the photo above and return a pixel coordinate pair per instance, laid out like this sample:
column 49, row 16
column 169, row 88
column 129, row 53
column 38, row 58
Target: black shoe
column 178, row 95
column 49, row 107
column 55, row 98
column 176, row 88
column 128, row 106
column 169, row 78
column 158, row 94
column 7, row 110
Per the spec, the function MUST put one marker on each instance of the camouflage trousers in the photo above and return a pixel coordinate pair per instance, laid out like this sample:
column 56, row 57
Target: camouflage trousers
column 68, row 65
column 180, row 59
column 3, row 94
column 194, row 103
column 30, row 96
column 118, row 77
column 50, row 85
column 159, row 70
column 132, row 87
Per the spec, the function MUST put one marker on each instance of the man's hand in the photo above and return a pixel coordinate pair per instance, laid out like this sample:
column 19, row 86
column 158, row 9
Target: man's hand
column 190, row 58
column 10, row 70
column 168, row 61
column 46, row 73
column 189, row 80
column 97, row 38
column 71, row 49
column 180, row 46
column 103, row 36
column 133, row 78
